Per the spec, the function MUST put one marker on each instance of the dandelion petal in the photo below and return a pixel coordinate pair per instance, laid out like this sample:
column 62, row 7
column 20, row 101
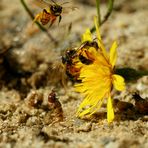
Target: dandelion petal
column 110, row 110
column 118, row 82
column 113, row 54
column 86, row 36
column 100, row 43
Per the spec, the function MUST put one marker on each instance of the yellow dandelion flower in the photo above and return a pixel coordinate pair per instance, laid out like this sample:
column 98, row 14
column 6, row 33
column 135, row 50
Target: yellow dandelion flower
column 98, row 79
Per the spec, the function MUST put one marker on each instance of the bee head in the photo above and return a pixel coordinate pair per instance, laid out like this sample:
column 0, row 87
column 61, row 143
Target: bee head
column 56, row 9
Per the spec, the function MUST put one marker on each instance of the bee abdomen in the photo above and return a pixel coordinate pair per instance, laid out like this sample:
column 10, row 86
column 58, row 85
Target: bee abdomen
column 44, row 21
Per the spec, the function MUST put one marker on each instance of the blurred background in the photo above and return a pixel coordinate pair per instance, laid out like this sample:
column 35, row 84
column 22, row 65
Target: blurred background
column 30, row 61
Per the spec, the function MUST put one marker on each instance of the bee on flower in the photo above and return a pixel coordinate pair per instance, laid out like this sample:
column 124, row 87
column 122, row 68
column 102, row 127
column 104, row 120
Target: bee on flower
column 98, row 77
column 73, row 59
column 69, row 60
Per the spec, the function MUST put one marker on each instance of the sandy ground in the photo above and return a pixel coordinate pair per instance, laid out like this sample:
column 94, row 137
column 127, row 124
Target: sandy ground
column 26, row 79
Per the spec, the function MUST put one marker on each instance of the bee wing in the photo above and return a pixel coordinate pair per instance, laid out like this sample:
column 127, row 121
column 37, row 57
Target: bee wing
column 41, row 3
column 68, row 9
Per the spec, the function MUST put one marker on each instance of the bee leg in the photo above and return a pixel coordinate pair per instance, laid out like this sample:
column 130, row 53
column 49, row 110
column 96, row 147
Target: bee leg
column 52, row 21
column 37, row 17
column 60, row 18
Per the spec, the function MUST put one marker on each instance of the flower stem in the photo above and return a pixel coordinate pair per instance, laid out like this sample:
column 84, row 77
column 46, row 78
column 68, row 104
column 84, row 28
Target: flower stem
column 98, row 11
column 109, row 11
column 38, row 24
column 110, row 8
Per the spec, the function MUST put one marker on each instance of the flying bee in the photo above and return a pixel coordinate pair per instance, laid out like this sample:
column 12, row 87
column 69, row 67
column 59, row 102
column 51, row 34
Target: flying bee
column 50, row 12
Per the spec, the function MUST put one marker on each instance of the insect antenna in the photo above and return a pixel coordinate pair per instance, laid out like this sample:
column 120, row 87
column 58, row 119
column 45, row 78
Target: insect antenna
column 64, row 3
column 54, row 2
